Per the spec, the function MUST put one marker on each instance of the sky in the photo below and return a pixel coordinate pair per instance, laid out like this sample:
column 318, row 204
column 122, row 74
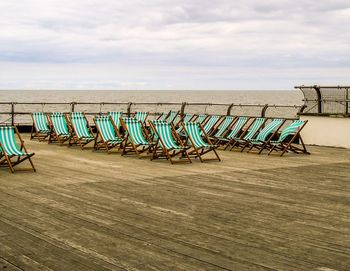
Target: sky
column 173, row 44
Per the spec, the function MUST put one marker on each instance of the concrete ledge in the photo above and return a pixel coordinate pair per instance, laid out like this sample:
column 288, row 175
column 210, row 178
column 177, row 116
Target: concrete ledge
column 326, row 131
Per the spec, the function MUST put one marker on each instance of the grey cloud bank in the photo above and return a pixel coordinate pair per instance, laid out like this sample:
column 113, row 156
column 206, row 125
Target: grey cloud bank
column 173, row 44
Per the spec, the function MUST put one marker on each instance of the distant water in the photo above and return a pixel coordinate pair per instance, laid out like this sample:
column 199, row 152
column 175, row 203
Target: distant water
column 251, row 97
column 226, row 97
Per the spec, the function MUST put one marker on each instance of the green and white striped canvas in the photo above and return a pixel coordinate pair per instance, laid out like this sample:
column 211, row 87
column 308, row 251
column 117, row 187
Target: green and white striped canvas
column 116, row 115
column 186, row 119
column 289, row 130
column 59, row 124
column 163, row 116
column 107, row 130
column 195, row 134
column 201, row 118
column 267, row 130
column 8, row 142
column 134, row 128
column 40, row 122
column 81, row 126
column 254, row 128
column 210, row 124
column 223, row 126
column 237, row 127
column 165, row 133
column 141, row 116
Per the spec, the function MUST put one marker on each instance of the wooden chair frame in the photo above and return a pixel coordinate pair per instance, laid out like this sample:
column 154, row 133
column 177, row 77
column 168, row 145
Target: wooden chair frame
column 131, row 147
column 101, row 144
column 7, row 160
column 161, row 152
column 36, row 134
column 224, row 140
column 288, row 145
column 54, row 137
column 75, row 139
column 260, row 147
column 199, row 152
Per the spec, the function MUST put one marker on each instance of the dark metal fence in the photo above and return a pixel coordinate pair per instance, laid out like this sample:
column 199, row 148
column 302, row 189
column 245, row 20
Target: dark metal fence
column 19, row 113
column 326, row 100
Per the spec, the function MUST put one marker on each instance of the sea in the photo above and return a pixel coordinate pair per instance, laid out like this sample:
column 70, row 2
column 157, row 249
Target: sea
column 256, row 100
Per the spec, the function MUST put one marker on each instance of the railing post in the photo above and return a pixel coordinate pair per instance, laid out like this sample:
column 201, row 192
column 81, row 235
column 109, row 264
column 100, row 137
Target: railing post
column 12, row 114
column 263, row 111
column 182, row 110
column 229, row 109
column 319, row 99
column 72, row 104
column 128, row 110
column 347, row 101
column 302, row 108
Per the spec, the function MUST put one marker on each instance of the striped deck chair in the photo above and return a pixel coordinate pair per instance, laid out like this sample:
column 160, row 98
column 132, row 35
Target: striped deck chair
column 40, row 128
column 195, row 130
column 210, row 124
column 201, row 119
column 59, row 128
column 80, row 129
column 223, row 127
column 185, row 118
column 107, row 136
column 169, row 144
column 137, row 139
column 247, row 135
column 288, row 135
column 10, row 153
column 234, row 130
column 116, row 115
column 265, row 135
column 141, row 116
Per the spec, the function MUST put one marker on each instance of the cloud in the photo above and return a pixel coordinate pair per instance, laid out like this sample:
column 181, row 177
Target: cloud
column 181, row 37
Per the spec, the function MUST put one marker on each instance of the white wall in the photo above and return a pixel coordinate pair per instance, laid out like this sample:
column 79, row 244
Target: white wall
column 326, row 131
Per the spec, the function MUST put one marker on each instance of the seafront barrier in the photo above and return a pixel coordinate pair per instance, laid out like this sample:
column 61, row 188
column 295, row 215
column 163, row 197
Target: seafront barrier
column 18, row 113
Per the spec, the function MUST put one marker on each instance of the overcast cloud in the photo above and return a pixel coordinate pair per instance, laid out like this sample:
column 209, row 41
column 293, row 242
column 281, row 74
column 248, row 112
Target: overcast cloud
column 173, row 44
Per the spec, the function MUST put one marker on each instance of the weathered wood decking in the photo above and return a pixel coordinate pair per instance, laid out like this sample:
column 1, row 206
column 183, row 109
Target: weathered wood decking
column 94, row 211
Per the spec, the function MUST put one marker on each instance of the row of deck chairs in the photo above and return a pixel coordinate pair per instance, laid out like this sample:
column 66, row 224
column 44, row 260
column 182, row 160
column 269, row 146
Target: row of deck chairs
column 158, row 138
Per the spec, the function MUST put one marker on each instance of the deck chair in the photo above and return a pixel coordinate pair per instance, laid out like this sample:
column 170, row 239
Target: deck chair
column 107, row 136
column 136, row 139
column 223, row 127
column 250, row 133
column 169, row 144
column 185, row 118
column 40, row 128
column 288, row 135
column 201, row 118
column 141, row 116
column 265, row 135
column 210, row 124
column 234, row 130
column 195, row 130
column 81, row 132
column 59, row 131
column 10, row 153
column 116, row 115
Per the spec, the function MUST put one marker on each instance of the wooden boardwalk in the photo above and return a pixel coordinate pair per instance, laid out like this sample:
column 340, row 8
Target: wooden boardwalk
column 94, row 211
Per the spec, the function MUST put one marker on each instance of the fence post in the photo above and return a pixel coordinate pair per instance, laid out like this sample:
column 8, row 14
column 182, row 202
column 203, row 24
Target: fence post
column 263, row 111
column 72, row 104
column 302, row 108
column 319, row 99
column 12, row 114
column 128, row 110
column 182, row 110
column 229, row 109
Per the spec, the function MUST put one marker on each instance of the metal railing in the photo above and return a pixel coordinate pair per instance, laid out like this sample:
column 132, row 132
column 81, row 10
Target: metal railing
column 326, row 100
column 19, row 113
